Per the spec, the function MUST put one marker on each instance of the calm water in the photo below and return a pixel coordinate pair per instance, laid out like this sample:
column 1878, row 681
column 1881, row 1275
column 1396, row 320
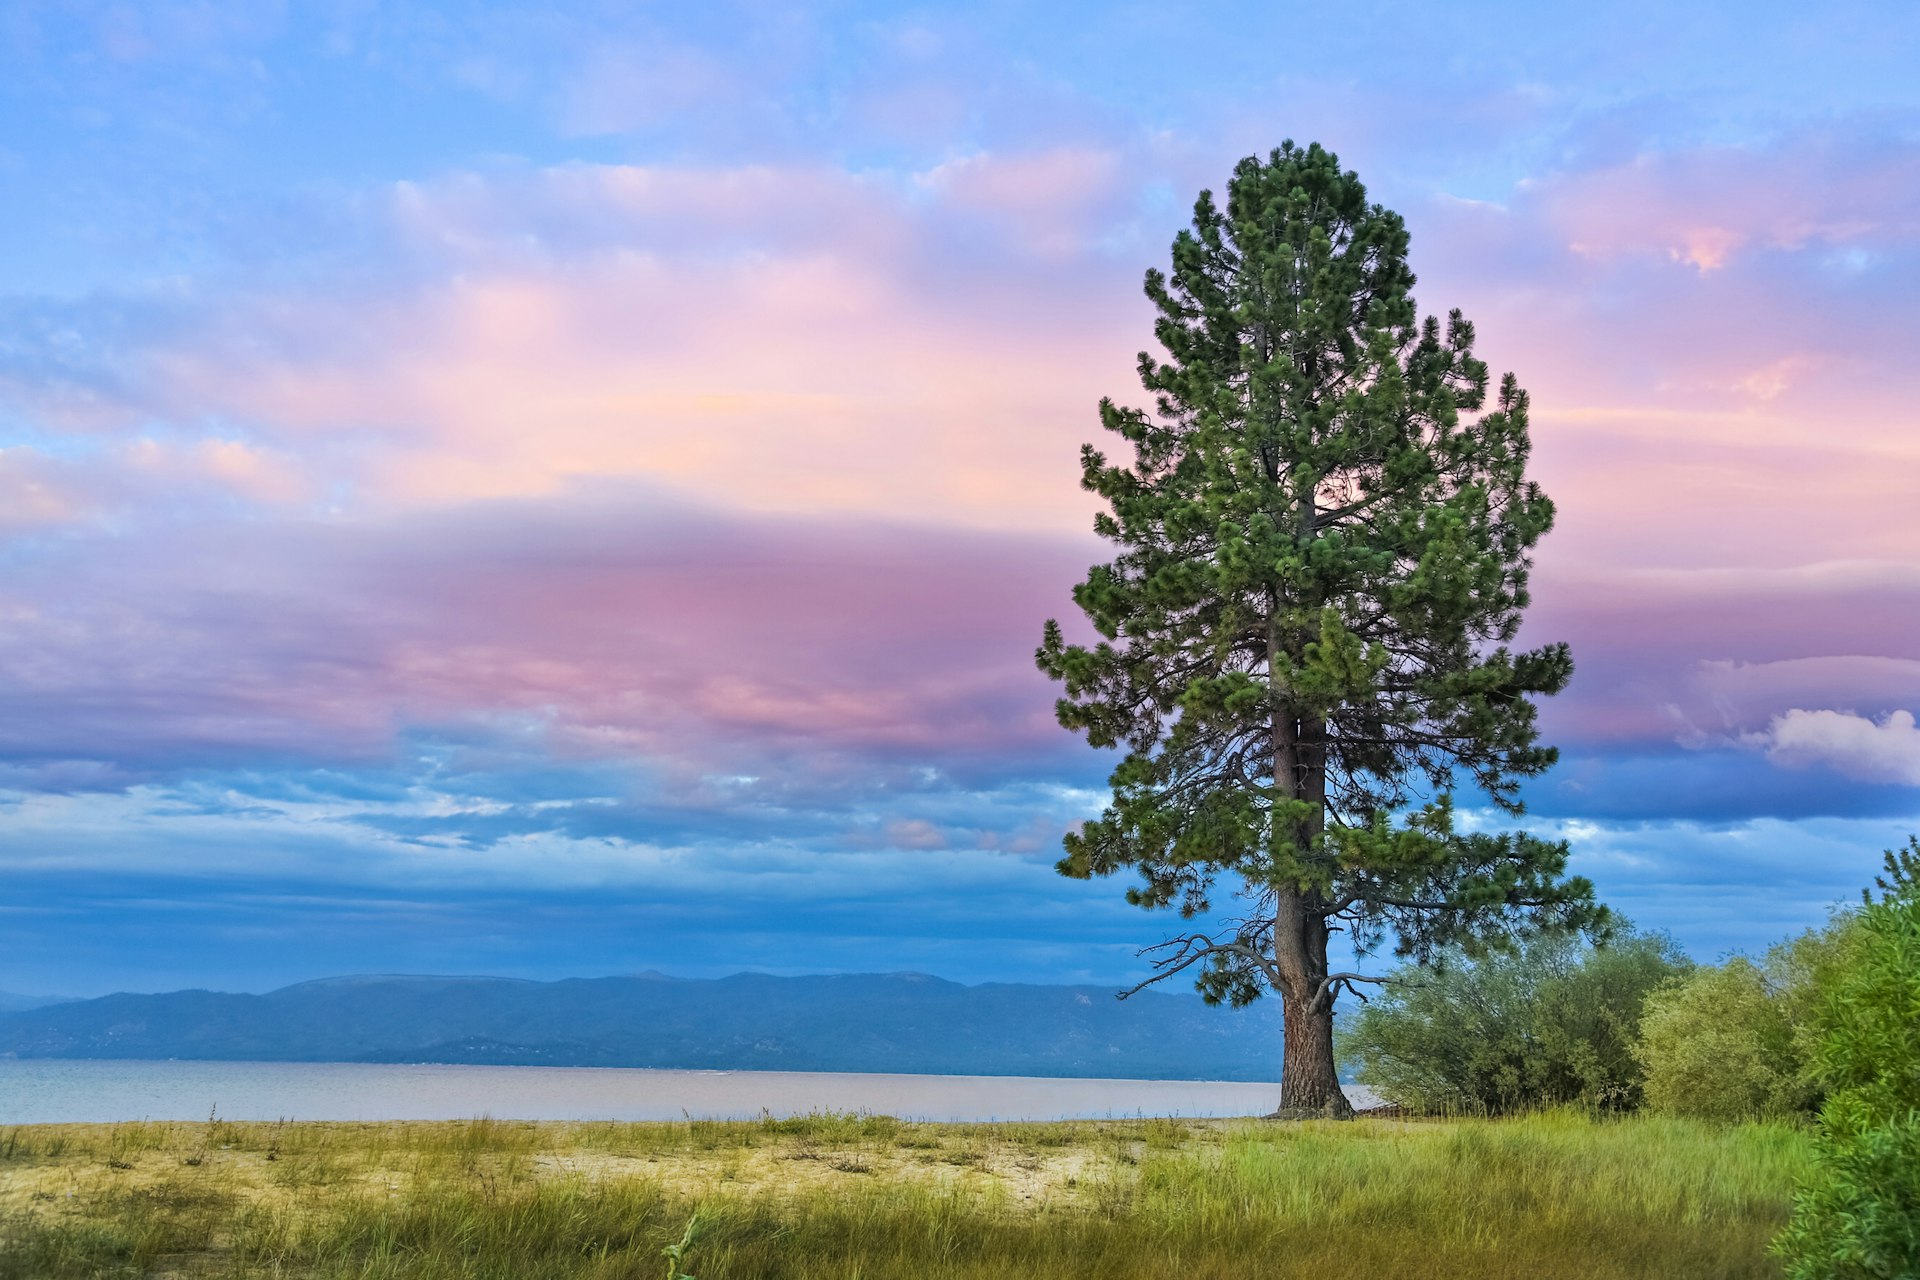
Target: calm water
column 53, row 1092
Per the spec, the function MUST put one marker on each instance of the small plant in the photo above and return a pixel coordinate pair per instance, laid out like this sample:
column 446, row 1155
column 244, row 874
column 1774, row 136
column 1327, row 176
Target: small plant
column 676, row 1254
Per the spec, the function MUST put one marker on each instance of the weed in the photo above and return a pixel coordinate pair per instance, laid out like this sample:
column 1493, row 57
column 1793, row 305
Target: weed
column 676, row 1254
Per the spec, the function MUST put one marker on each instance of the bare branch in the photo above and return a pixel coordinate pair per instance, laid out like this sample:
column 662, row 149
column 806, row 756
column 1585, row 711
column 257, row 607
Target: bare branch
column 1192, row 949
column 1330, row 985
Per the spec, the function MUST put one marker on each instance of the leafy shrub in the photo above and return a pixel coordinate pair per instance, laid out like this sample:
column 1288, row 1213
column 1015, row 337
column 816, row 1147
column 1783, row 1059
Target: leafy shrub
column 1804, row 972
column 1552, row 1023
column 1858, row 1216
column 1735, row 1041
column 1718, row 1045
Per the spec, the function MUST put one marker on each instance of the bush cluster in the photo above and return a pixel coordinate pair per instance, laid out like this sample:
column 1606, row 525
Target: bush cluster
column 1625, row 1023
column 1858, row 1216
column 1552, row 1023
column 1736, row 1041
column 1825, row 1025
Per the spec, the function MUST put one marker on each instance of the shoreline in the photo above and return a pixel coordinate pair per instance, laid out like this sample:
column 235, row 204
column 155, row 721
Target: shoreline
column 109, row 1090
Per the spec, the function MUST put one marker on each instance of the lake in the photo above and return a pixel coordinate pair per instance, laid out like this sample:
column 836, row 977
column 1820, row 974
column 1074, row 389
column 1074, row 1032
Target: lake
column 50, row 1091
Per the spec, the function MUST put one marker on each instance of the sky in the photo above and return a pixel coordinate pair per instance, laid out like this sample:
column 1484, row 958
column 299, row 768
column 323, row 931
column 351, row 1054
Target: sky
column 572, row 489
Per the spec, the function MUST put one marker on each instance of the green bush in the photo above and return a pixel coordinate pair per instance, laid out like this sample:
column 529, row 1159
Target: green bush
column 1858, row 1215
column 1718, row 1045
column 1551, row 1024
column 1804, row 971
column 1735, row 1041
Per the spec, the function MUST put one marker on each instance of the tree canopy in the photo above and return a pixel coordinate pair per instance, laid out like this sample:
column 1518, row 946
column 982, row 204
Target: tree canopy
column 1323, row 526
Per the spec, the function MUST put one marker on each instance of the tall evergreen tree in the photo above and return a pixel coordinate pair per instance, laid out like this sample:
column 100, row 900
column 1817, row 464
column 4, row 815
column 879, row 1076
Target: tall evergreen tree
column 1324, row 538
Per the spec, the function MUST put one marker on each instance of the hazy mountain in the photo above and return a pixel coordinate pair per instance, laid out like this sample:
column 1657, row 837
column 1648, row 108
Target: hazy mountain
column 904, row 1022
column 13, row 1001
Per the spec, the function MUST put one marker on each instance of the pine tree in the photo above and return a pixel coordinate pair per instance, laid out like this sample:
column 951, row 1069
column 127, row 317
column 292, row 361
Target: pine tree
column 1324, row 542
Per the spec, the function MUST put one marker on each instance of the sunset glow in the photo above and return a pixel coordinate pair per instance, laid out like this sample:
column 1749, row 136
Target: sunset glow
column 487, row 491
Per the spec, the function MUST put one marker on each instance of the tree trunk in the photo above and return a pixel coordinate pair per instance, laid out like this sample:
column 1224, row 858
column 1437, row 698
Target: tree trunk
column 1309, row 1085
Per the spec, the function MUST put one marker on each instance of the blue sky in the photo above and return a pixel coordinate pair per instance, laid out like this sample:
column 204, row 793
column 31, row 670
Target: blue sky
column 574, row 489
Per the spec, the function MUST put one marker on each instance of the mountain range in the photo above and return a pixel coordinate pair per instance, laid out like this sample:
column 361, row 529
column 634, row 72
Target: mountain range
column 898, row 1022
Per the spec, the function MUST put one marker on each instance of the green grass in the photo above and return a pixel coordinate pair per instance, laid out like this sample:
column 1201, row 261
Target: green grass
column 848, row 1197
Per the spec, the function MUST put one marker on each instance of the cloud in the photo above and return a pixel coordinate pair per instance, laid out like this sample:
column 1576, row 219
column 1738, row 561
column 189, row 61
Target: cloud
column 1777, row 359
column 787, row 336
column 117, row 884
column 1705, row 207
column 1683, row 653
column 625, row 87
column 915, row 833
column 33, row 493
column 790, row 340
column 1887, row 750
column 1052, row 200
column 736, row 347
column 1732, row 885
column 1742, row 694
column 629, row 453
column 113, row 888
column 1678, row 416
column 607, row 623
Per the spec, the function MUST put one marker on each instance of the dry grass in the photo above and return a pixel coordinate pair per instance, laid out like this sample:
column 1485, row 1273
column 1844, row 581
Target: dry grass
column 850, row 1196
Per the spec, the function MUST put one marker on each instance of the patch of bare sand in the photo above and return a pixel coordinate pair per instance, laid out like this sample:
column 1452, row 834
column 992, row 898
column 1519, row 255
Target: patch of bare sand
column 287, row 1167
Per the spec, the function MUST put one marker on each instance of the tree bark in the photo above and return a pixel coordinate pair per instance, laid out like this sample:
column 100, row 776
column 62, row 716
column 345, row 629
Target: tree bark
column 1309, row 1084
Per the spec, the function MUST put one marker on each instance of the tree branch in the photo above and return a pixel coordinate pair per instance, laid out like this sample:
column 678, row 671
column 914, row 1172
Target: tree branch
column 1330, row 985
column 1194, row 948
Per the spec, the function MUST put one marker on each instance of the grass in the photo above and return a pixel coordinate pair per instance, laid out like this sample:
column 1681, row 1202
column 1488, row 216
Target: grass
column 853, row 1197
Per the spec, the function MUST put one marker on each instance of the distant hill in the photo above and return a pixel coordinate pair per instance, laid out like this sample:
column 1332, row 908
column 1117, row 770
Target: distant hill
column 13, row 1001
column 900, row 1022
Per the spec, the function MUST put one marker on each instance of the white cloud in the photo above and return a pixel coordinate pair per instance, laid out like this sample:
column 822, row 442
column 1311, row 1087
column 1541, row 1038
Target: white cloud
column 1884, row 751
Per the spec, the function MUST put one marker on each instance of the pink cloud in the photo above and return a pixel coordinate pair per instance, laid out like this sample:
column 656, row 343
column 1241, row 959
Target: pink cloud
column 1749, row 690
column 1751, row 422
column 914, row 833
column 130, row 478
column 807, row 345
column 1053, row 199
column 1687, row 491
column 1703, row 657
column 798, row 340
column 34, row 492
column 1704, row 208
column 598, row 627
column 1731, row 452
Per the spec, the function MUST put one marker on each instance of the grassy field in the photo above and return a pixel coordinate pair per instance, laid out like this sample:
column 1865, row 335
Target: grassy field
column 867, row 1197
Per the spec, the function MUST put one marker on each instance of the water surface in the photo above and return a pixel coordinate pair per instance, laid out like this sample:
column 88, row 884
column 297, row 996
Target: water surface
column 54, row 1091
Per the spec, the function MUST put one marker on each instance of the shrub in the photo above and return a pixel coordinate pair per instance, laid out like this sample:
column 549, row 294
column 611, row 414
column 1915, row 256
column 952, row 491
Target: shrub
column 1718, row 1045
column 1550, row 1024
column 1735, row 1041
column 1858, row 1215
column 1804, row 971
